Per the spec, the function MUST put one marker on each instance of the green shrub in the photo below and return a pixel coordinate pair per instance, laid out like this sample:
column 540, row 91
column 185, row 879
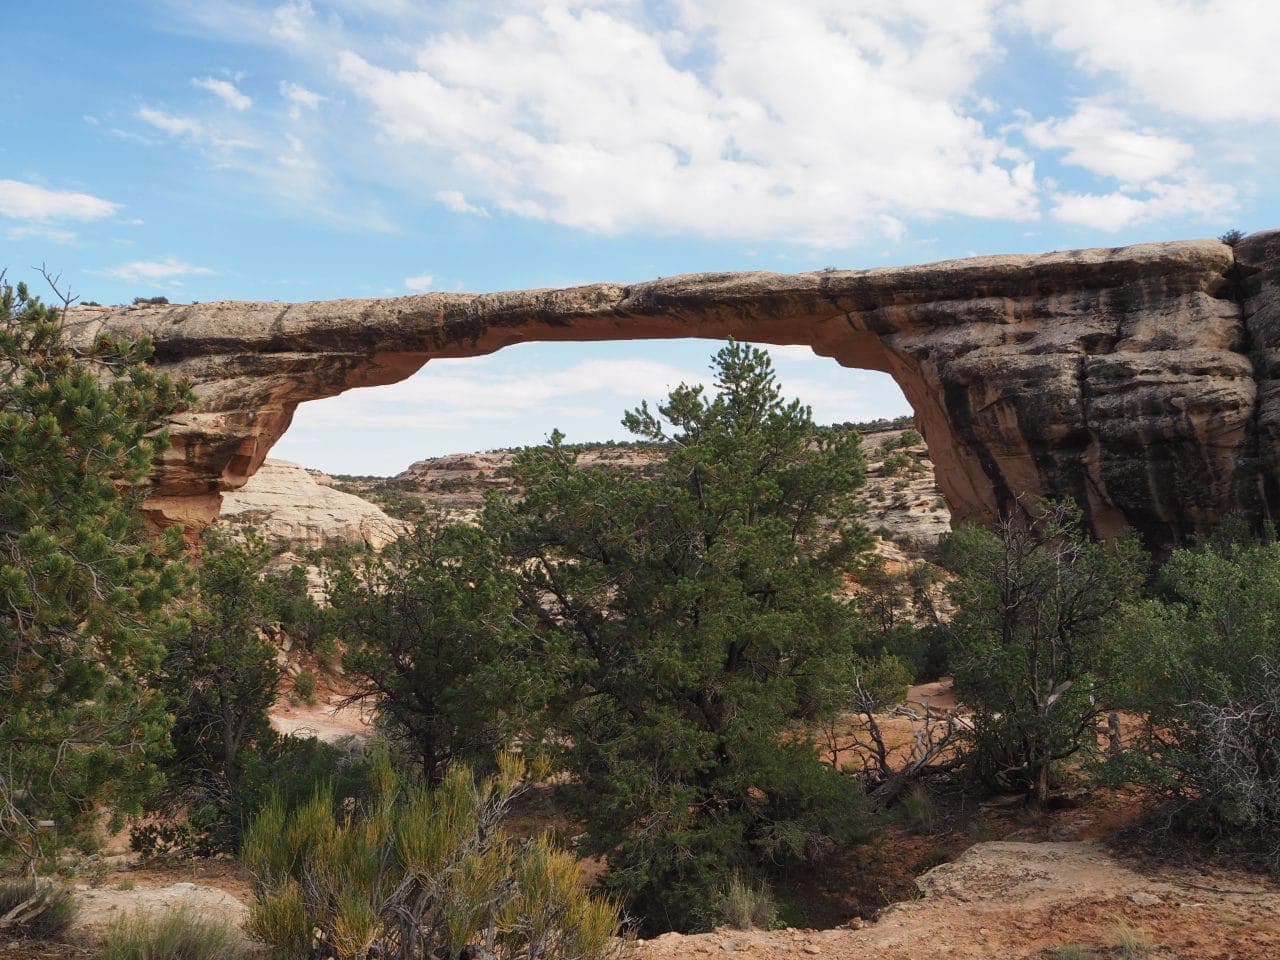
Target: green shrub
column 1212, row 743
column 1033, row 648
column 922, row 649
column 894, row 464
column 173, row 935
column 420, row 874
column 41, row 910
column 745, row 907
column 304, row 686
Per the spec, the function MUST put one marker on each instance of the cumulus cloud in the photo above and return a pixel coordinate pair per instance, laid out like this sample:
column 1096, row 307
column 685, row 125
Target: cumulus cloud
column 1103, row 140
column 154, row 271
column 823, row 123
column 30, row 201
column 224, row 90
column 1160, row 200
column 418, row 284
column 1207, row 59
column 1157, row 176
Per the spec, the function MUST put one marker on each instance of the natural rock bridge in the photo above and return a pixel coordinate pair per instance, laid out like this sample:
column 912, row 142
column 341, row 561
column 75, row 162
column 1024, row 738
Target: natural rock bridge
column 1143, row 381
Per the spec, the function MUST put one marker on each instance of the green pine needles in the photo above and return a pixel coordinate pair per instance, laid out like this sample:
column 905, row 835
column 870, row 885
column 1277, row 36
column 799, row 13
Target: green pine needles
column 689, row 629
column 84, row 587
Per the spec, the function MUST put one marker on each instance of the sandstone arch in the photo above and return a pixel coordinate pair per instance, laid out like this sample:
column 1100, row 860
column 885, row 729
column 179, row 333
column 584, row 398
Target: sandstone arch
column 1141, row 380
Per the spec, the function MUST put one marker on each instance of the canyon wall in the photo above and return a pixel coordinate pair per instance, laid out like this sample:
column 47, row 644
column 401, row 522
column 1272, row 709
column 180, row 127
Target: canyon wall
column 1142, row 381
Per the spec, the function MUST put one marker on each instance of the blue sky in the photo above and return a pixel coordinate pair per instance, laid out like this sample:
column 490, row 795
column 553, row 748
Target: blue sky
column 311, row 149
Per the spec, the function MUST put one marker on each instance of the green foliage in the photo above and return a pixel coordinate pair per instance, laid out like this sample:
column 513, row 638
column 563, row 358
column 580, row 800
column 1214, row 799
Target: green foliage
column 688, row 627
column 1203, row 666
column 895, row 464
column 428, row 873
column 903, row 607
column 220, row 678
column 35, row 909
column 84, row 588
column 433, row 641
column 1031, row 652
column 745, row 907
column 172, row 935
column 296, row 612
column 1232, row 237
column 304, row 686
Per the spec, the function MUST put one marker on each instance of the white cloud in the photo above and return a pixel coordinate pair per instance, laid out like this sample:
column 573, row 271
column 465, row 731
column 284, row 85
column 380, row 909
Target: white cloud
column 224, row 90
column 795, row 352
column 55, row 234
column 189, row 128
column 155, row 271
column 457, row 392
column 291, row 22
column 457, row 201
column 300, row 98
column 1157, row 178
column 1208, row 59
column 1161, row 200
column 1102, row 139
column 175, row 126
column 29, row 201
column 421, row 282
column 824, row 122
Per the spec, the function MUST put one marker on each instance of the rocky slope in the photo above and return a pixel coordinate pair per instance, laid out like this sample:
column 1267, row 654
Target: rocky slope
column 291, row 508
column 1008, row 899
column 1141, row 381
column 902, row 499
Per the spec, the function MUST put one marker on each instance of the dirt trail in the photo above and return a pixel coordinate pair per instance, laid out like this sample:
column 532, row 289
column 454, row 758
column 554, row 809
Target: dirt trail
column 1003, row 900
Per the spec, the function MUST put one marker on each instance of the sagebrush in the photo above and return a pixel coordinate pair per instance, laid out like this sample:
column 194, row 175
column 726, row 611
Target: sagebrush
column 426, row 873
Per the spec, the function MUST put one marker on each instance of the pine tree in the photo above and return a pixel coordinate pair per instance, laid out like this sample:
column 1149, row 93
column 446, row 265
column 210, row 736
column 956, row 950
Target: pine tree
column 433, row 641
column 689, row 629
column 220, row 678
column 84, row 586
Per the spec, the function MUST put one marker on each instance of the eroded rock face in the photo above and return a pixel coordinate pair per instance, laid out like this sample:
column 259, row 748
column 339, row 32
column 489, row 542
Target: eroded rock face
column 286, row 505
column 1142, row 381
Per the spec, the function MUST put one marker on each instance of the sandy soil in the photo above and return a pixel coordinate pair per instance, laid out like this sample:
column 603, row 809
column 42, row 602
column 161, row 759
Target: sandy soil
column 326, row 721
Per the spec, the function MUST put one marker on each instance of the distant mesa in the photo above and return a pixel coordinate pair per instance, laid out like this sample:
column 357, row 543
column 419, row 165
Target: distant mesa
column 1142, row 381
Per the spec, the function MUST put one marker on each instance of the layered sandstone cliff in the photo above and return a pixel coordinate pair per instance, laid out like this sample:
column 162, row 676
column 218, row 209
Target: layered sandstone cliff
column 1142, row 381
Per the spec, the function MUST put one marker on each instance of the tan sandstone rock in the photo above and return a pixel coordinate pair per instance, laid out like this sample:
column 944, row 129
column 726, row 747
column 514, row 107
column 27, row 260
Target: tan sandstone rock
column 284, row 503
column 1140, row 381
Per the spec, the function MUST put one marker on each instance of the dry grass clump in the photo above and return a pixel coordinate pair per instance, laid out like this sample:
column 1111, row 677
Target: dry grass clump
column 35, row 909
column 172, row 935
column 421, row 874
column 745, row 907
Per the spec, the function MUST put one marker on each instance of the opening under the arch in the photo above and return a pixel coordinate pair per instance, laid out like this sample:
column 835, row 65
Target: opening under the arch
column 516, row 396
